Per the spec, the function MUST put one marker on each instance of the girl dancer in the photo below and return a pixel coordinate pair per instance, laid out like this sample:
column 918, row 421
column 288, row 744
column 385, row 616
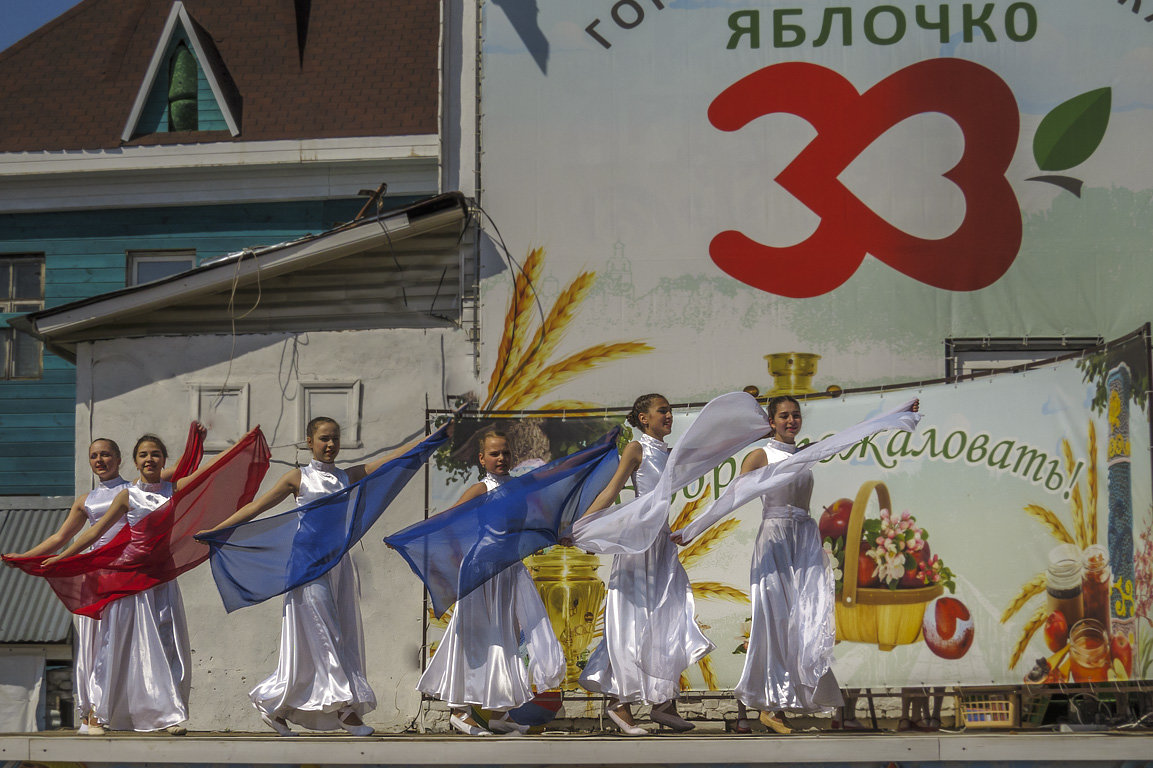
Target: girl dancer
column 625, row 665
column 104, row 459
column 320, row 680
column 478, row 660
column 144, row 671
column 790, row 651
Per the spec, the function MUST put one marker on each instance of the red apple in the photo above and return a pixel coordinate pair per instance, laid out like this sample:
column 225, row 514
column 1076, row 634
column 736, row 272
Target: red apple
column 1122, row 651
column 1056, row 631
column 948, row 628
column 865, row 568
column 921, row 557
column 835, row 519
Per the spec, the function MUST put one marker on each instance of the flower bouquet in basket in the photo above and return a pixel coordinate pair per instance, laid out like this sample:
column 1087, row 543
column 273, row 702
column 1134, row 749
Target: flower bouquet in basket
column 886, row 575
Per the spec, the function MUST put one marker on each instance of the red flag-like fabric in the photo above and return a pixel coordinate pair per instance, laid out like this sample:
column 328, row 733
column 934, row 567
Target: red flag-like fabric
column 160, row 547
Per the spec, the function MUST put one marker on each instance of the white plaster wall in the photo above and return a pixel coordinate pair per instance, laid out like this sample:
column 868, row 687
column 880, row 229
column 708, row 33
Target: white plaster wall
column 126, row 387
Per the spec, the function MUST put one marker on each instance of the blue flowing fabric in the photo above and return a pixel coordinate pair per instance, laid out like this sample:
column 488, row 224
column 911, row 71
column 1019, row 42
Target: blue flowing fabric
column 461, row 548
column 269, row 556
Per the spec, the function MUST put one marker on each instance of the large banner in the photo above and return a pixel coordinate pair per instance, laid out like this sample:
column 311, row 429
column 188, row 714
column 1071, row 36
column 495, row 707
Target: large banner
column 712, row 181
column 1010, row 538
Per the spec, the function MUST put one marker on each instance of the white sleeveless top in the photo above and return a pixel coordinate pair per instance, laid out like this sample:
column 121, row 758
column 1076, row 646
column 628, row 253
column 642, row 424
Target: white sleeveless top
column 492, row 482
column 318, row 479
column 654, row 457
column 143, row 498
column 791, row 500
column 96, row 504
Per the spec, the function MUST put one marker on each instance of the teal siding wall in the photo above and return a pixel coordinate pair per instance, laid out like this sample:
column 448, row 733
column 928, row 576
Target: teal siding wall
column 85, row 255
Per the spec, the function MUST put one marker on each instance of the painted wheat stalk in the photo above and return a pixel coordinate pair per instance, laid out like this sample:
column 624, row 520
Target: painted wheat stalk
column 555, row 375
column 707, row 589
column 1031, row 626
column 699, row 548
column 712, row 682
column 690, row 509
column 544, row 342
column 683, row 683
column 1032, row 588
column 1075, row 497
column 1051, row 522
column 1092, row 483
column 582, row 407
column 512, row 341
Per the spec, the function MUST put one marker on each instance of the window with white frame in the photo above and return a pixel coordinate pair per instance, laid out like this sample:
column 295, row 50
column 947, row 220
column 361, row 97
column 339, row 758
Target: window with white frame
column 336, row 400
column 146, row 266
column 21, row 291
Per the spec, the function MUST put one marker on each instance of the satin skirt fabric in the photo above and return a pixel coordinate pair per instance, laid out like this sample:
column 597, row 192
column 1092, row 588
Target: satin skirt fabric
column 479, row 659
column 88, row 640
column 143, row 668
column 321, row 671
column 791, row 638
column 651, row 634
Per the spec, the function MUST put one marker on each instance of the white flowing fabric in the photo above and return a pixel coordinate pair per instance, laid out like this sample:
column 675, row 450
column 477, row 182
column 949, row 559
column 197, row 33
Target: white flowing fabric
column 724, row 426
column 144, row 672
column 89, row 640
column 321, row 670
column 650, row 632
column 791, row 637
column 479, row 661
column 780, row 474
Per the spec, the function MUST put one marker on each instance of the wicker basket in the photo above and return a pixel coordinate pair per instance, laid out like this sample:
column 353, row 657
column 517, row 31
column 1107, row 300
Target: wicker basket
column 887, row 617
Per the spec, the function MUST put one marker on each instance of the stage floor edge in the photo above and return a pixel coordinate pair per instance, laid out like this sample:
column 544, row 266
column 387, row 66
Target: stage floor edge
column 1108, row 748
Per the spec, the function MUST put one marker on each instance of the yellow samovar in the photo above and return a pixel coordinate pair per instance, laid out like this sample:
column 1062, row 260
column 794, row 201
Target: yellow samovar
column 566, row 579
column 792, row 372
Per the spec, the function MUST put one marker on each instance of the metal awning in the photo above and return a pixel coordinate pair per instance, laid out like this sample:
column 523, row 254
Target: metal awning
column 401, row 269
column 29, row 612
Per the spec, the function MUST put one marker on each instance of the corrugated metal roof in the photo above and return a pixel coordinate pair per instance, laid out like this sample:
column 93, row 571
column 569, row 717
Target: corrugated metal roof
column 29, row 611
column 401, row 270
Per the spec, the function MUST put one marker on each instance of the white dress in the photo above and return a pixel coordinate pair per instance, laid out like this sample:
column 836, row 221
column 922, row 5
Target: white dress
column 321, row 671
column 788, row 666
column 479, row 661
column 89, row 641
column 650, row 631
column 145, row 672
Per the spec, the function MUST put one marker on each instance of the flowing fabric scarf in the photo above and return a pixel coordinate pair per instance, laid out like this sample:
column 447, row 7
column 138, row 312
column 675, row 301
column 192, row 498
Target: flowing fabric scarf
column 256, row 560
column 159, row 547
column 461, row 548
column 724, row 426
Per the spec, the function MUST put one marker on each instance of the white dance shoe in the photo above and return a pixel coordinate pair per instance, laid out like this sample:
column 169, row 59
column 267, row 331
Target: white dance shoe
column 626, row 728
column 466, row 727
column 277, row 724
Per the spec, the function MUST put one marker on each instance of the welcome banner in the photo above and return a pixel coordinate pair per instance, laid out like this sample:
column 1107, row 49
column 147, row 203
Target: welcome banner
column 980, row 549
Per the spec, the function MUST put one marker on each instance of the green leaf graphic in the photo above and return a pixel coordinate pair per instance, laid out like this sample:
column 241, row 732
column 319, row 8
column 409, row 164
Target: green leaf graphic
column 1072, row 131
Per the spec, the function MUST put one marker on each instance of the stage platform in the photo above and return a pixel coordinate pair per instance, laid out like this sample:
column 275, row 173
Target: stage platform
column 1114, row 748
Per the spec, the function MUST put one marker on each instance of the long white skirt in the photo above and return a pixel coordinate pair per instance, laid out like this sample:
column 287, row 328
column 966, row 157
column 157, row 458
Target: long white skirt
column 788, row 665
column 321, row 671
column 651, row 634
column 478, row 660
column 88, row 639
column 144, row 670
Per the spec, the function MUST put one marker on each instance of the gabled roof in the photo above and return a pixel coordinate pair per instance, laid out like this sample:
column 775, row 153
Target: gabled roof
column 29, row 612
column 399, row 269
column 305, row 70
column 207, row 57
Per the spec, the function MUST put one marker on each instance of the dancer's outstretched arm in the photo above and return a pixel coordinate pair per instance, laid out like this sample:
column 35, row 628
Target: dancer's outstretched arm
column 94, row 532
column 287, row 485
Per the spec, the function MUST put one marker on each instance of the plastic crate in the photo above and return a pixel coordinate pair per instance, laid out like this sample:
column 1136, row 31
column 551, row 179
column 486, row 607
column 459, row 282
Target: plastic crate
column 1033, row 710
column 989, row 709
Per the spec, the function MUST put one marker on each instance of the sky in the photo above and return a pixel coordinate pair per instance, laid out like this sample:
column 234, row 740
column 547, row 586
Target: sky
column 19, row 18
